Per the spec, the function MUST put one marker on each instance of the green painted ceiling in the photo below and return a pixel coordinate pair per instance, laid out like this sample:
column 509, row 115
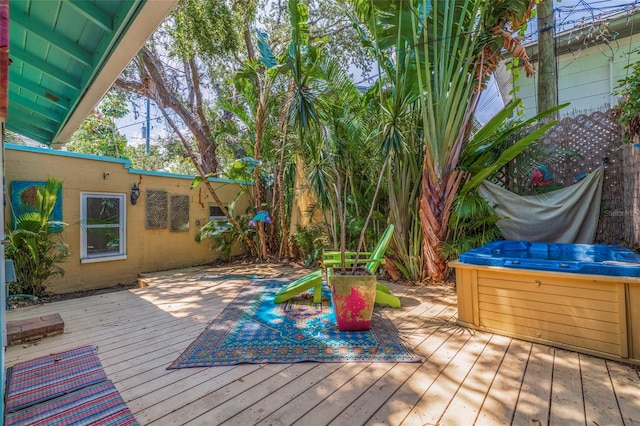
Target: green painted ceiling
column 60, row 50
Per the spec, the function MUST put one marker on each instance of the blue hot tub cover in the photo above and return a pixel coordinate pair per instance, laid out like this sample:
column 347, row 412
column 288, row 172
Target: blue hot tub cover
column 597, row 259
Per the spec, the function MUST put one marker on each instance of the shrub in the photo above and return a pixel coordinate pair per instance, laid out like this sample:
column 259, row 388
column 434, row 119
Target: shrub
column 310, row 241
column 35, row 244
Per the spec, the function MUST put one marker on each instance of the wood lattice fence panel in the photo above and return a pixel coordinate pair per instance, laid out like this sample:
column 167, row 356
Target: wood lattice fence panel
column 597, row 138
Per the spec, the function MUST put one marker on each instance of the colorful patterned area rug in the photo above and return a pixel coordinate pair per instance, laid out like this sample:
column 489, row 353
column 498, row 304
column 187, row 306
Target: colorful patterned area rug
column 61, row 389
column 253, row 329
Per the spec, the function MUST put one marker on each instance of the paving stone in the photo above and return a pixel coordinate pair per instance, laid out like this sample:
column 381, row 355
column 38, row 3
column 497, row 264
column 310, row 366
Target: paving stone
column 30, row 329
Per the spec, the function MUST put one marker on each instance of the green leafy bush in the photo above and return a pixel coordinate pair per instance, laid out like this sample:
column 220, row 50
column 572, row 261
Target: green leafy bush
column 36, row 245
column 223, row 236
column 310, row 241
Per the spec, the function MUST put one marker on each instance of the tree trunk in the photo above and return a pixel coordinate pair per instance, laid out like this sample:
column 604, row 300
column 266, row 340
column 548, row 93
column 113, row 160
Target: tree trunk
column 547, row 78
column 261, row 116
column 154, row 85
column 206, row 182
column 285, row 249
column 435, row 204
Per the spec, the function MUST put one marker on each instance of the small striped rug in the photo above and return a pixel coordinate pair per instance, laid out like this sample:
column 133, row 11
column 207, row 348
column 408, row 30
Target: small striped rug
column 67, row 388
column 44, row 378
column 95, row 405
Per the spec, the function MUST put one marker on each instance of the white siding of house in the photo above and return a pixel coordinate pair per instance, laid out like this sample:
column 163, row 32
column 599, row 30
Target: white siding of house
column 586, row 79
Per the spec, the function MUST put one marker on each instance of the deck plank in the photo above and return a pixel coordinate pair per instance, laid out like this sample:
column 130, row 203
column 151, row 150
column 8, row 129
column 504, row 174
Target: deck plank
column 327, row 410
column 626, row 385
column 567, row 403
column 439, row 394
column 152, row 398
column 465, row 376
column 467, row 401
column 398, row 407
column 166, row 406
column 207, row 409
column 269, row 404
column 535, row 393
column 376, row 396
column 601, row 406
column 252, row 395
column 290, row 411
column 500, row 402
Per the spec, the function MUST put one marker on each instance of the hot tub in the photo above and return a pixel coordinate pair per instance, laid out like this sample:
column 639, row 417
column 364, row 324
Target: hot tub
column 574, row 296
column 579, row 258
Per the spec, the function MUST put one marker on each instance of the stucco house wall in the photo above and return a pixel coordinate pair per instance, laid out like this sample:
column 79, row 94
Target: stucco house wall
column 147, row 250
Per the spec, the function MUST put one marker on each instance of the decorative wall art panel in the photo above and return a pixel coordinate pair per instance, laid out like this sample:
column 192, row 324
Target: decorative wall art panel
column 156, row 208
column 179, row 212
column 24, row 195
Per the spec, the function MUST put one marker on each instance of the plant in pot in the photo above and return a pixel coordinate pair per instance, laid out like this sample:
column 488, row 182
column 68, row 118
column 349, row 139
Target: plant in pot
column 353, row 287
column 320, row 102
column 350, row 275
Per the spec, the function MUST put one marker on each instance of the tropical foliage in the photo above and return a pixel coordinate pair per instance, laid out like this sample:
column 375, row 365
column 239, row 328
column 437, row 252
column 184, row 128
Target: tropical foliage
column 436, row 57
column 399, row 149
column 628, row 110
column 491, row 154
column 98, row 133
column 36, row 245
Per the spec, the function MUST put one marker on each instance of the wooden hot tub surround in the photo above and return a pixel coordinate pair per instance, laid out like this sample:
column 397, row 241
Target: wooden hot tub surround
column 593, row 314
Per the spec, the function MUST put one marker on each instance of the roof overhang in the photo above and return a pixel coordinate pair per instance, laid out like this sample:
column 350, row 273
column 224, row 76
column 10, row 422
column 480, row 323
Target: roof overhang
column 66, row 54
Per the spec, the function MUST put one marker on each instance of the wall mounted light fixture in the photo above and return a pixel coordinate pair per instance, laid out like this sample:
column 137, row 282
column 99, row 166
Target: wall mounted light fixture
column 135, row 193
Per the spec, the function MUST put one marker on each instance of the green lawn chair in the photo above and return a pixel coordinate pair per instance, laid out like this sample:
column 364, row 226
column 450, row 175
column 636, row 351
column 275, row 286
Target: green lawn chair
column 308, row 282
column 314, row 279
column 383, row 295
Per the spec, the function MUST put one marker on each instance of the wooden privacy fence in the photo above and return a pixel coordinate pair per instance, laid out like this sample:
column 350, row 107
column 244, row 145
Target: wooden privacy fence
column 598, row 139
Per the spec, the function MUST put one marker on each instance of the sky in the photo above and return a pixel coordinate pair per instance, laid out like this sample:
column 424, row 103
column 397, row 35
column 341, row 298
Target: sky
column 568, row 13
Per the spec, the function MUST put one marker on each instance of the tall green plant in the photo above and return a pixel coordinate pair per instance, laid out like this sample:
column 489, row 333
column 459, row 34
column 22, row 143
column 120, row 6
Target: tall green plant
column 35, row 243
column 322, row 109
column 440, row 53
column 487, row 153
column 223, row 237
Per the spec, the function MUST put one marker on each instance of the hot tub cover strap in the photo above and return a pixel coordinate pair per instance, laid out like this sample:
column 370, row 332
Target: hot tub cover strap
column 567, row 215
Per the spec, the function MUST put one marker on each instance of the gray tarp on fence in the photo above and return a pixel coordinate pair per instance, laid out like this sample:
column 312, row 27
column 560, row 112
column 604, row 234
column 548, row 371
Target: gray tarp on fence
column 567, row 215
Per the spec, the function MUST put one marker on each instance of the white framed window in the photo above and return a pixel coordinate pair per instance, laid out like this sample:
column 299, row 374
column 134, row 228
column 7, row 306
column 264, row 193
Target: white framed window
column 216, row 216
column 102, row 227
column 215, row 213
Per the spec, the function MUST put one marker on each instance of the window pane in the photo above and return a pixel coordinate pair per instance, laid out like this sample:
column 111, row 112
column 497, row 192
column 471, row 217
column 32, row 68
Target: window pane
column 216, row 215
column 103, row 211
column 215, row 211
column 103, row 240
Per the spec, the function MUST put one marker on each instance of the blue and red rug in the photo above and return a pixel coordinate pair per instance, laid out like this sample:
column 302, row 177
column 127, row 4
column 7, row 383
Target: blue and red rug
column 62, row 389
column 253, row 329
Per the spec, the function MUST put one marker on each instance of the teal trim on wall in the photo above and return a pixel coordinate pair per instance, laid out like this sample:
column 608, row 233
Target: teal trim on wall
column 125, row 163
column 13, row 147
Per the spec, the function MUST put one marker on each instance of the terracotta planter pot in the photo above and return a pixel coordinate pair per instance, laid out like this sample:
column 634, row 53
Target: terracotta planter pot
column 353, row 299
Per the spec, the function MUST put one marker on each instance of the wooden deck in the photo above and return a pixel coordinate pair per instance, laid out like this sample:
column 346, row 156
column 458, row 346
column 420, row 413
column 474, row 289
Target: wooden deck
column 467, row 377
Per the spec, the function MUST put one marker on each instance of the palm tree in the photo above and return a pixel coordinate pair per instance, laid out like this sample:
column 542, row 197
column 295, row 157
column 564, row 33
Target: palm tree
column 440, row 53
column 323, row 108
